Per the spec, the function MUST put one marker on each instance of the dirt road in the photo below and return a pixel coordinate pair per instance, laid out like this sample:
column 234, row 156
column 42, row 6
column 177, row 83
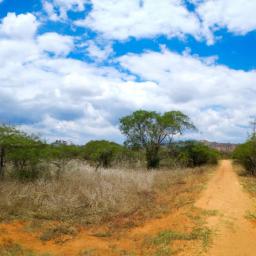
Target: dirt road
column 235, row 235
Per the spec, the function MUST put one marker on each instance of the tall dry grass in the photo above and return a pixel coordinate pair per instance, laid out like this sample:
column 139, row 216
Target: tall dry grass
column 87, row 196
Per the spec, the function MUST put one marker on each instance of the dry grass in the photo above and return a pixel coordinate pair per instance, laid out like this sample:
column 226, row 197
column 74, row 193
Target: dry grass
column 8, row 248
column 161, row 242
column 86, row 196
column 249, row 184
column 248, row 181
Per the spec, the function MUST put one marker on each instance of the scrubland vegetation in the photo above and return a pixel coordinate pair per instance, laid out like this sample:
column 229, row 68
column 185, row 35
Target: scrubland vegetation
column 97, row 180
column 102, row 181
column 87, row 183
column 245, row 154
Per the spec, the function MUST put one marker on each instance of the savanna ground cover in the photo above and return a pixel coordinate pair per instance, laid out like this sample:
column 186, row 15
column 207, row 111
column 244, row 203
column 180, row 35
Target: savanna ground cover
column 108, row 212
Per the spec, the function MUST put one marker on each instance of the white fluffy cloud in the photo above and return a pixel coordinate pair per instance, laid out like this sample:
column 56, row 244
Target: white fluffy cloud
column 218, row 98
column 55, row 43
column 66, row 98
column 120, row 20
column 238, row 16
column 57, row 9
column 99, row 51
column 21, row 26
column 61, row 97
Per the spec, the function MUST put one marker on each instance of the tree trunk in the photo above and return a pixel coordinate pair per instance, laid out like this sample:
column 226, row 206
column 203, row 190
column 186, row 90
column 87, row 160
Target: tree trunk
column 2, row 162
column 152, row 156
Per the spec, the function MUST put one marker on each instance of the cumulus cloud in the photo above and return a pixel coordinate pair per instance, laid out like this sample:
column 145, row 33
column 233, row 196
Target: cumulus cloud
column 120, row 20
column 62, row 97
column 135, row 18
column 218, row 98
column 22, row 26
column 51, row 11
column 71, row 99
column 57, row 9
column 99, row 51
column 55, row 43
column 238, row 16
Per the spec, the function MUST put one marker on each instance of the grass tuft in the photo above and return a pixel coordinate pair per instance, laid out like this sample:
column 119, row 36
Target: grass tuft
column 163, row 240
column 57, row 232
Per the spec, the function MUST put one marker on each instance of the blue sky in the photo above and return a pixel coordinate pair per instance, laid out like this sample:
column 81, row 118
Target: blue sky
column 71, row 68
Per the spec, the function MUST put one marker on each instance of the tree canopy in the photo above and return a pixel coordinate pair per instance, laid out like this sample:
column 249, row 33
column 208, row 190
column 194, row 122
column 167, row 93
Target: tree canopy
column 17, row 146
column 12, row 137
column 245, row 154
column 102, row 152
column 149, row 130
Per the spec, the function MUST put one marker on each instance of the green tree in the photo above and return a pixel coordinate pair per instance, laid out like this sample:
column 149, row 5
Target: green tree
column 102, row 152
column 59, row 154
column 17, row 147
column 195, row 153
column 245, row 154
column 149, row 130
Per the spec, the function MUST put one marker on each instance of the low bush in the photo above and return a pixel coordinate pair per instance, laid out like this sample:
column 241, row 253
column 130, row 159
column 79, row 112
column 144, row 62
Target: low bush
column 103, row 153
column 245, row 154
column 193, row 153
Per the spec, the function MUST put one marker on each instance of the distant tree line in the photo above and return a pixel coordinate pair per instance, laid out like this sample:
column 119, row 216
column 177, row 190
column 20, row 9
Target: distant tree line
column 149, row 140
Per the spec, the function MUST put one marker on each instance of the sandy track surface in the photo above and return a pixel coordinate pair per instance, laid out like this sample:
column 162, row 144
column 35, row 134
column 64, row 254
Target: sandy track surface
column 235, row 235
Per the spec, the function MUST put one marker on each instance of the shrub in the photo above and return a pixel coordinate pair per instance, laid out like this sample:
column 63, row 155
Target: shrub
column 21, row 151
column 59, row 154
column 102, row 152
column 26, row 162
column 245, row 154
column 193, row 153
